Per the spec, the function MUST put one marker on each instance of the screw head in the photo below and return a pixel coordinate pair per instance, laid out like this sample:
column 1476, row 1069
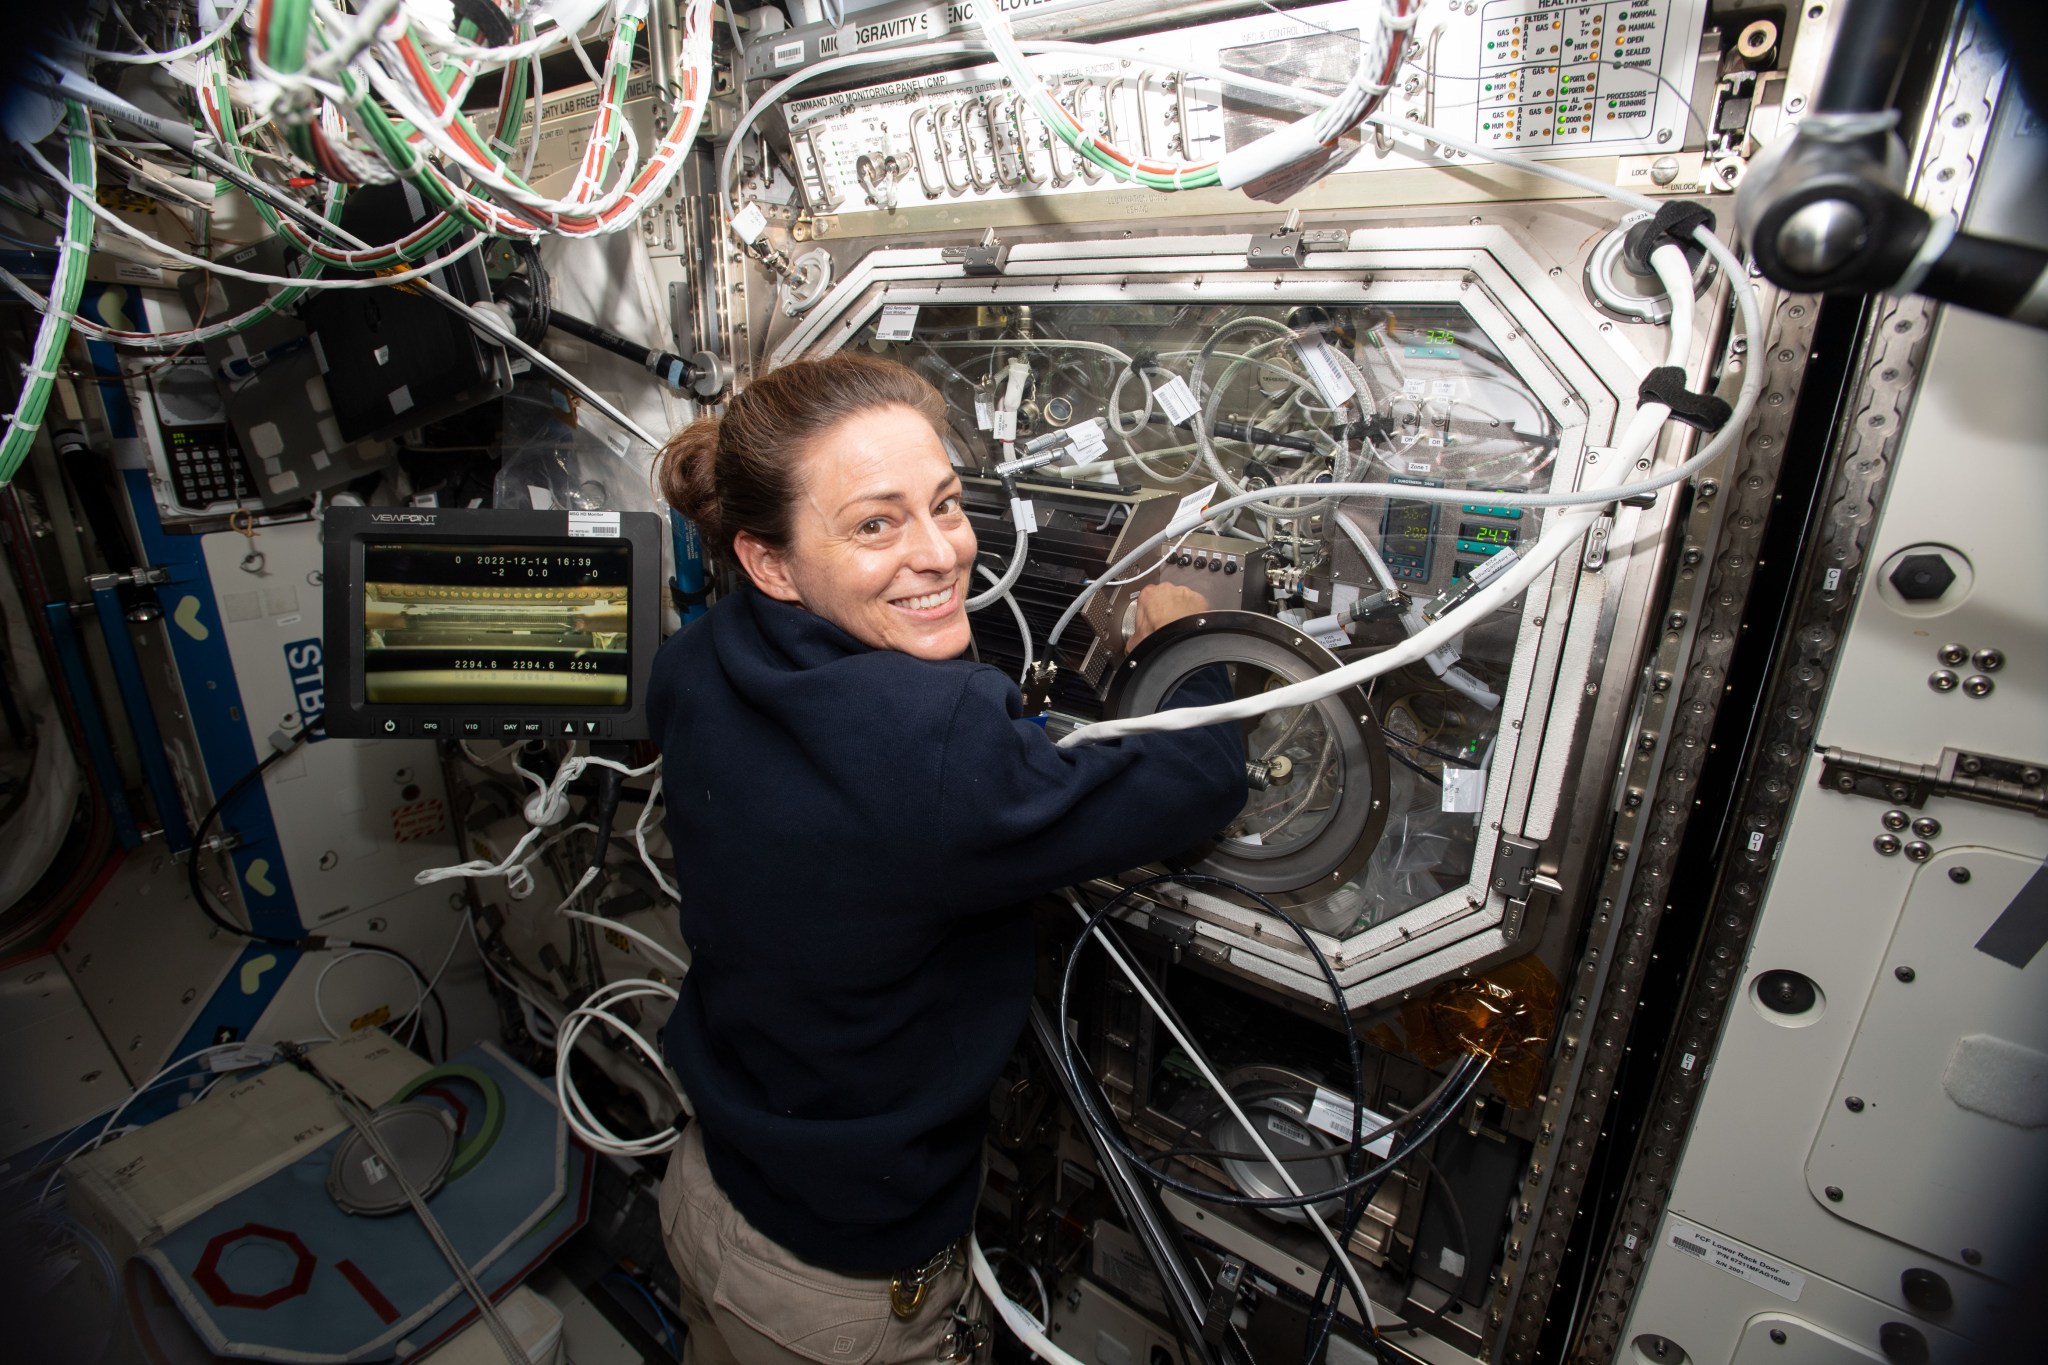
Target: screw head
column 1854, row 1104
column 1977, row 685
column 1905, row 974
column 1989, row 660
column 1895, row 819
column 1972, row 1256
column 1941, row 680
column 1927, row 827
column 1919, row 851
column 1777, row 1336
column 1887, row 844
column 1953, row 655
column 1959, row 875
column 1834, row 1194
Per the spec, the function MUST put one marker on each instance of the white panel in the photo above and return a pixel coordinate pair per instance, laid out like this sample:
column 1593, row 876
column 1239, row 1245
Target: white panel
column 1902, row 1156
column 55, row 1069
column 355, row 817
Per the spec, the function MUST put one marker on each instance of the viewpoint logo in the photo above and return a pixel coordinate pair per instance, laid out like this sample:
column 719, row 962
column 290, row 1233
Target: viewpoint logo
column 404, row 518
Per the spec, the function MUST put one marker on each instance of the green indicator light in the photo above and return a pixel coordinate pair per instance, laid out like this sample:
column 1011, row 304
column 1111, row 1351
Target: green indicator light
column 1485, row 127
column 1489, row 47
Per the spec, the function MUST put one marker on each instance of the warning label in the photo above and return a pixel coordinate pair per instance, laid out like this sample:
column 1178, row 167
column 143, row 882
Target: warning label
column 1738, row 1260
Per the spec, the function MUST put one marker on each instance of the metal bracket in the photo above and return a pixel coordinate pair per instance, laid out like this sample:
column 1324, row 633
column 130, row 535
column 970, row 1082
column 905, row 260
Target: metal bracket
column 1284, row 250
column 990, row 257
column 1515, row 876
column 2014, row 783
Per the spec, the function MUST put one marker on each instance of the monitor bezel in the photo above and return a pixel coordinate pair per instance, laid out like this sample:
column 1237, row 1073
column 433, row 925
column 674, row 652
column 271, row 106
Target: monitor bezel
column 348, row 530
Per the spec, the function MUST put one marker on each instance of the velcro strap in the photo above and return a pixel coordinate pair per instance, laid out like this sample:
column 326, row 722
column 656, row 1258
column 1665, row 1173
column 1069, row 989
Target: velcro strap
column 1666, row 385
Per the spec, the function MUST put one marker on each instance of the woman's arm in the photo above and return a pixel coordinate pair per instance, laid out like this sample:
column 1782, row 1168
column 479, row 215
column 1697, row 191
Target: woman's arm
column 1017, row 815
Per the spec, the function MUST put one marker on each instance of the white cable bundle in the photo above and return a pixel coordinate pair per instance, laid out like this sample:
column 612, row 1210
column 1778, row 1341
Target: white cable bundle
column 598, row 1009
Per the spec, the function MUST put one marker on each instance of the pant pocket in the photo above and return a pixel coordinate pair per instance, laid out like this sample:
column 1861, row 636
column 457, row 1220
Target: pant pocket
column 820, row 1316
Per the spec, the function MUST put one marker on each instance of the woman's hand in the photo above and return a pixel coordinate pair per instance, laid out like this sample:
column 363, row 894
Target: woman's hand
column 1159, row 604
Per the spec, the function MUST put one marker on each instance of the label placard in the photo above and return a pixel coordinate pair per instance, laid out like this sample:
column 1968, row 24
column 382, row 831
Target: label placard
column 749, row 223
column 1194, row 502
column 1331, row 1112
column 594, row 525
column 897, row 323
column 1331, row 382
column 787, row 54
column 1176, row 400
column 1005, row 428
column 1737, row 1260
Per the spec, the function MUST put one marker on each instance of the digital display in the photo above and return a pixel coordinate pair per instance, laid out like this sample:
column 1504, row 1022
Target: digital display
column 505, row 624
column 1488, row 535
column 1406, row 531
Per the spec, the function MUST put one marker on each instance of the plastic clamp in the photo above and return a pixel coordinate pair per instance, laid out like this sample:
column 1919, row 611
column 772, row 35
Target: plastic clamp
column 1666, row 385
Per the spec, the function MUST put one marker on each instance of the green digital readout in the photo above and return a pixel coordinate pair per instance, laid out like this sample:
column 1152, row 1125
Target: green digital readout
column 1484, row 534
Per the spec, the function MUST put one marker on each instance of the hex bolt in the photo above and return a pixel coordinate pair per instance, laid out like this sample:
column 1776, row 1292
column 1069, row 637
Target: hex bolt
column 1905, row 974
column 1959, row 875
column 1977, row 685
column 1953, row 655
column 1895, row 819
column 1834, row 1194
column 1887, row 844
column 1854, row 1104
column 1988, row 660
column 1927, row 827
column 1919, row 851
column 1941, row 680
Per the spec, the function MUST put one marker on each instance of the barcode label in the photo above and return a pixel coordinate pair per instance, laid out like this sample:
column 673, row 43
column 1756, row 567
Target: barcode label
column 1176, row 400
column 897, row 323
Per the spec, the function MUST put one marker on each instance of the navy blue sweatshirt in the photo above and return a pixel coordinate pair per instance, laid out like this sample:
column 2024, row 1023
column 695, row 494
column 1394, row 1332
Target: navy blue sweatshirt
column 853, row 830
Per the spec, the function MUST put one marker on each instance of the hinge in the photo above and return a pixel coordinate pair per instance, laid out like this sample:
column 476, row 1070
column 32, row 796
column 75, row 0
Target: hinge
column 1515, row 876
column 2011, row 782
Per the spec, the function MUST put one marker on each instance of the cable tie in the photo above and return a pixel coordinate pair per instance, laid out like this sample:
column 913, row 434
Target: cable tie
column 1666, row 384
column 1673, row 224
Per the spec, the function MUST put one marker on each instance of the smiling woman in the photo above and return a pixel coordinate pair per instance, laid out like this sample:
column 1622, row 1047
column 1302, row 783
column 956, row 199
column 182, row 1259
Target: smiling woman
column 857, row 813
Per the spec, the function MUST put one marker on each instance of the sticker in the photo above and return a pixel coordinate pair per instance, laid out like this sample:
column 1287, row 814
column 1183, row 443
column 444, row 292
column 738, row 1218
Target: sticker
column 1452, row 1263
column 1330, row 381
column 1280, row 1126
column 1756, row 841
column 305, row 660
column 1254, row 839
column 420, row 820
column 373, row 1170
column 1831, row 580
column 594, row 525
column 1419, row 466
column 749, row 223
column 543, row 499
column 1331, row 1112
column 897, row 323
column 787, row 54
column 1197, row 501
column 1024, row 515
column 1332, row 639
column 1088, row 440
column 1464, row 790
column 1176, row 400
column 1005, row 426
column 1413, row 388
column 1737, row 1260
column 984, row 414
column 1685, row 1062
column 1444, row 388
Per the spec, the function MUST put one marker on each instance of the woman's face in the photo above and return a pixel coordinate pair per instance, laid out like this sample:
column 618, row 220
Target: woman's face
column 879, row 544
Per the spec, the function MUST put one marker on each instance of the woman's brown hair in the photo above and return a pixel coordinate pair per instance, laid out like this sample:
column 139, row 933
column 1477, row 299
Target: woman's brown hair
column 742, row 471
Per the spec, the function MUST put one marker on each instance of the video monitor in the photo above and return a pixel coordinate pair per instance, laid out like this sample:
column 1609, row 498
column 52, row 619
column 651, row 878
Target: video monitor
column 463, row 623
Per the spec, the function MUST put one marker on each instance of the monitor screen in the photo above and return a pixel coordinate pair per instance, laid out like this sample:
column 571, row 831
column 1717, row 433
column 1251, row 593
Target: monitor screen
column 496, row 624
column 461, row 622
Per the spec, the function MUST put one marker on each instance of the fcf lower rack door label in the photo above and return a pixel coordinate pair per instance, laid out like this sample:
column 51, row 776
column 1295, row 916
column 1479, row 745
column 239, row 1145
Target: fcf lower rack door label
column 1740, row 1261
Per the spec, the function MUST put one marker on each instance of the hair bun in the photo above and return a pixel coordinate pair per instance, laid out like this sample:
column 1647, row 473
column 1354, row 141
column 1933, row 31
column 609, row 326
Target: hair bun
column 688, row 474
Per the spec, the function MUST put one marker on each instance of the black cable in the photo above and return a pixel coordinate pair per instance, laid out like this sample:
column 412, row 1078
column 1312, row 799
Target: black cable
column 1464, row 1231
column 311, row 942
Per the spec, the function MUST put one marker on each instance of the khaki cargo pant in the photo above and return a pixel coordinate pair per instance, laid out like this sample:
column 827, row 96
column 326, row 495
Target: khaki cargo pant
column 747, row 1301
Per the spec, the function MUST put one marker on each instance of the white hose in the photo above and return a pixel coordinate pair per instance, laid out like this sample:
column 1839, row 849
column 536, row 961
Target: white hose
column 1582, row 509
column 1023, row 626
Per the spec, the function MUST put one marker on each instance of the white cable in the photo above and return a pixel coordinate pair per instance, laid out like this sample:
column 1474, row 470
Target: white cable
column 1605, row 486
column 1023, row 633
column 1021, row 1324
column 652, row 945
column 597, row 1009
column 668, row 887
column 220, row 31
column 320, row 982
column 1195, row 1054
column 127, row 229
